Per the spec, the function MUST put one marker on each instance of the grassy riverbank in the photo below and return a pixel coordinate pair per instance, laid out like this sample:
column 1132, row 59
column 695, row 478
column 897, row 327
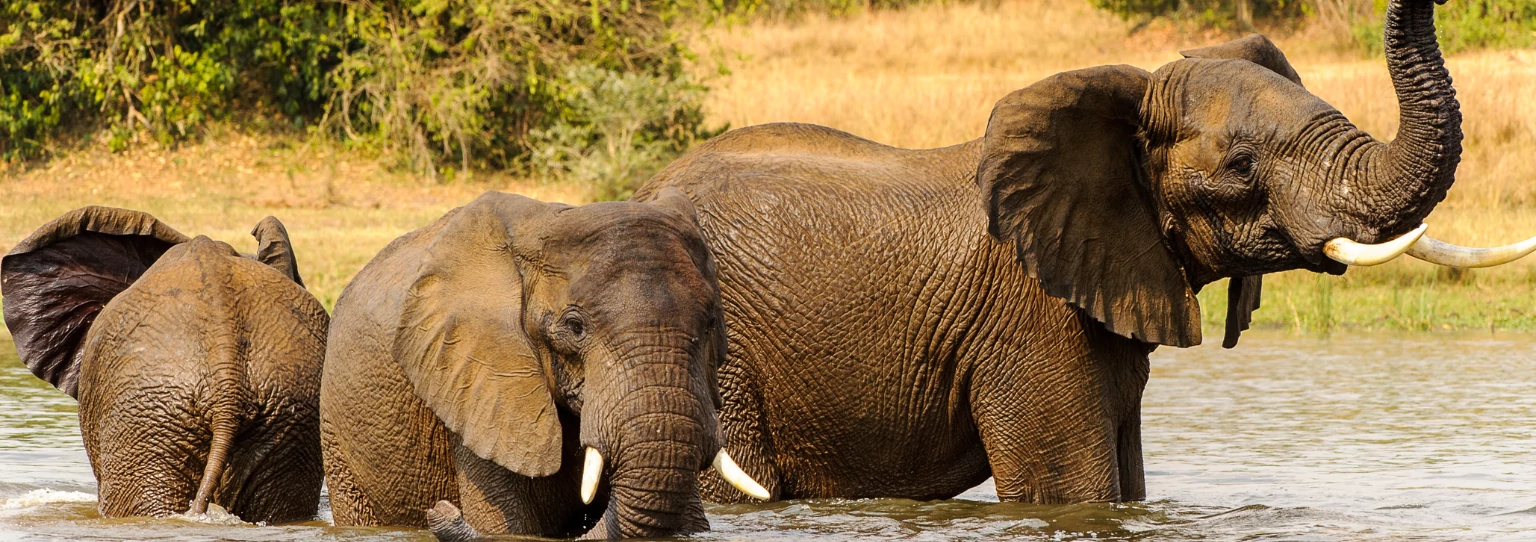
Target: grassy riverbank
column 922, row 77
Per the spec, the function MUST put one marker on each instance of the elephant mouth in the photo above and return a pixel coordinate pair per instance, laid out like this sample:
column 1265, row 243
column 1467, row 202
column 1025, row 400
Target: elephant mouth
column 592, row 475
column 1415, row 243
column 610, row 523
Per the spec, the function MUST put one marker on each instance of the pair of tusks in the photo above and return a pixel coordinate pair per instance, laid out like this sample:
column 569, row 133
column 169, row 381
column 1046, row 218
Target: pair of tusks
column 592, row 472
column 1423, row 247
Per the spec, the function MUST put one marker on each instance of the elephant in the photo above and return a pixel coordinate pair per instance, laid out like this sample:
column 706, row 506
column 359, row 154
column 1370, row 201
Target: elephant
column 456, row 374
column 907, row 323
column 196, row 368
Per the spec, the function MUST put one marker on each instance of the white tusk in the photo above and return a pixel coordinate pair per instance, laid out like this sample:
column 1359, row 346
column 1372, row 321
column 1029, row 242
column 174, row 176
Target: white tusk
column 1359, row 254
column 737, row 477
column 1440, row 252
column 591, row 473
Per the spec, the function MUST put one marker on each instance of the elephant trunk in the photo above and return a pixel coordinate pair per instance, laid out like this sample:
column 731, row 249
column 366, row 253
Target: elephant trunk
column 661, row 437
column 1412, row 174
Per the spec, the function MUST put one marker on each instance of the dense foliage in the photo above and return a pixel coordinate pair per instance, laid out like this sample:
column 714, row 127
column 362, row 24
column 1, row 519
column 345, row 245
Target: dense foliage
column 1214, row 13
column 1462, row 24
column 1466, row 24
column 437, row 84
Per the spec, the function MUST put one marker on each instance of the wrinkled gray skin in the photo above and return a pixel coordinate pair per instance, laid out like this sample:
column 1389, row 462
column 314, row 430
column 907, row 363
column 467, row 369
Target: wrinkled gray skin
column 473, row 360
column 197, row 369
column 906, row 323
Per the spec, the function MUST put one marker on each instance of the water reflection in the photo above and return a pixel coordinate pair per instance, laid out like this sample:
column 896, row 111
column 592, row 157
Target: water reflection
column 1378, row 438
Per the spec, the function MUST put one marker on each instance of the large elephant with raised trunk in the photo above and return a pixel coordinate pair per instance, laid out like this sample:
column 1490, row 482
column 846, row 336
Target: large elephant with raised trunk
column 542, row 368
column 907, row 323
column 197, row 368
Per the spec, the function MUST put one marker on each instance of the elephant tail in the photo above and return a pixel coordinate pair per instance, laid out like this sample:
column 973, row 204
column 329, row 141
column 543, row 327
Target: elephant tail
column 225, row 425
column 230, row 398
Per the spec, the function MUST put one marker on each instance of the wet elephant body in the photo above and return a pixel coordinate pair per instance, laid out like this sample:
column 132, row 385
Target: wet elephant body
column 197, row 369
column 905, row 323
column 903, row 346
column 516, row 360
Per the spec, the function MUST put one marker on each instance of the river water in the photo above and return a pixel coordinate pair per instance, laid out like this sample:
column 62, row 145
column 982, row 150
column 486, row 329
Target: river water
column 1384, row 437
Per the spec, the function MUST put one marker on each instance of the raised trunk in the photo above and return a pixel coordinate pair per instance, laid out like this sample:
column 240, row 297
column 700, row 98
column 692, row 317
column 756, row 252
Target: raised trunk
column 659, row 444
column 1411, row 175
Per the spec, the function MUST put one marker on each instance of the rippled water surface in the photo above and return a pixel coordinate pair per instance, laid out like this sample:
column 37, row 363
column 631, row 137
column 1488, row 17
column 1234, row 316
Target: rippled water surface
column 1423, row 437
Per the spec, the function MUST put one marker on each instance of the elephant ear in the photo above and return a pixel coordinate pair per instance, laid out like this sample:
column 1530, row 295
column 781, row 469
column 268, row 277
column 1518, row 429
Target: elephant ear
column 1061, row 177
column 274, row 249
column 1242, row 300
column 58, row 279
column 461, row 344
column 1254, row 48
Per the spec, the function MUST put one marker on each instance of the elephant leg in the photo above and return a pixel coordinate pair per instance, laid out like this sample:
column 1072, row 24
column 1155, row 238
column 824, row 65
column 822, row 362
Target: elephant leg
column 1062, row 426
column 746, row 437
column 281, row 468
column 147, row 463
column 348, row 506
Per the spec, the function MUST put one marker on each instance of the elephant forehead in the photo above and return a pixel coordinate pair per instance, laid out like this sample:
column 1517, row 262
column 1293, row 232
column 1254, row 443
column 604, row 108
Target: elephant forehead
column 612, row 231
column 1240, row 96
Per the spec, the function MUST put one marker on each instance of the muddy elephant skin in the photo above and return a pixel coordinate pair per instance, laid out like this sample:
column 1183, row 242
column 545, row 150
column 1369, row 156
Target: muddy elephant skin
column 475, row 360
column 907, row 323
column 197, row 369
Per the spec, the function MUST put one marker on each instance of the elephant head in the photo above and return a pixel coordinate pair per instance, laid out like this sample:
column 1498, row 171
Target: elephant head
column 1123, row 192
column 524, row 313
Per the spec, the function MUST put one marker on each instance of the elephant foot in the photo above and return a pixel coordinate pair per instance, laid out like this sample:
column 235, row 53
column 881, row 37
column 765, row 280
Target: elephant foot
column 448, row 525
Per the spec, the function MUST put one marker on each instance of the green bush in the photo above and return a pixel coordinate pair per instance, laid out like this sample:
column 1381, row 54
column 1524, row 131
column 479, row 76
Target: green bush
column 162, row 67
column 437, row 84
column 616, row 129
column 472, row 81
column 737, row 10
column 1210, row 13
column 1465, row 25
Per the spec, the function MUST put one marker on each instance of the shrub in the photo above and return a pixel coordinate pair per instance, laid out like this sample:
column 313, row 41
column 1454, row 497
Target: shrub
column 472, row 80
column 430, row 82
column 1464, row 25
column 1212, row 13
column 616, row 129
column 163, row 67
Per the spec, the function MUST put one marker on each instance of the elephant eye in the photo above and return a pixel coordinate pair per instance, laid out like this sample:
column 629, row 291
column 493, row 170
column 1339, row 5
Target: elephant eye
column 575, row 325
column 1242, row 165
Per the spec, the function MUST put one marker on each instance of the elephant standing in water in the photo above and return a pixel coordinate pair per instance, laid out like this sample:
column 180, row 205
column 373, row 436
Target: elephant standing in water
column 907, row 323
column 197, row 369
column 512, row 347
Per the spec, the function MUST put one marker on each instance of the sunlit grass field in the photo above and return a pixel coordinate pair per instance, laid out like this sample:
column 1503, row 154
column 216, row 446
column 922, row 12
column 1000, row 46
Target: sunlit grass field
column 922, row 77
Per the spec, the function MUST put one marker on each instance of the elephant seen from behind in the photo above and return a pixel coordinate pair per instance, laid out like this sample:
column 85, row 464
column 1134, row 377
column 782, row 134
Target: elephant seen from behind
column 531, row 368
column 197, row 368
column 907, row 323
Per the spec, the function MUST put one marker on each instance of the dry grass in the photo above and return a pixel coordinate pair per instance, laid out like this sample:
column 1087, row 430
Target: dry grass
column 928, row 77
column 340, row 207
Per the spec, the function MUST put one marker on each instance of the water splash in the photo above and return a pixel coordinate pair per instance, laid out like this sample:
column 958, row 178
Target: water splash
column 216, row 515
column 43, row 496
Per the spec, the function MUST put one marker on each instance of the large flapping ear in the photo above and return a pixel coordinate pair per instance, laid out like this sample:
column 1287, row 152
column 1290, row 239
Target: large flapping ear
column 57, row 280
column 1243, row 295
column 461, row 343
column 1062, row 178
column 1254, row 48
column 274, row 249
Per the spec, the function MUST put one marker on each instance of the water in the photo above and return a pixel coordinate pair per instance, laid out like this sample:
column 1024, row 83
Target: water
column 1421, row 437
